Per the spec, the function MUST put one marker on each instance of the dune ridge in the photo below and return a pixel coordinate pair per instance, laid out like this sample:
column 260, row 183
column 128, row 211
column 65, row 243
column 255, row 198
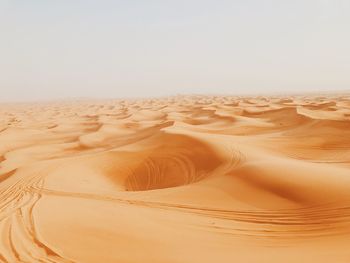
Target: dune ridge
column 176, row 179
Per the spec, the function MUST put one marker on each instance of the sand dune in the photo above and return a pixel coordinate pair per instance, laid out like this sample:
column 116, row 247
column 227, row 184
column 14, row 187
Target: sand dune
column 178, row 179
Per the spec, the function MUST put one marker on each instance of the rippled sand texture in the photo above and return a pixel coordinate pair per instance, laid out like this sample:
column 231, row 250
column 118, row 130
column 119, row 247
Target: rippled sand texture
column 180, row 179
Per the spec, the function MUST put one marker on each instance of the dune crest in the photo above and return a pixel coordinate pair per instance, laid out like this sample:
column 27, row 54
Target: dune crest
column 178, row 179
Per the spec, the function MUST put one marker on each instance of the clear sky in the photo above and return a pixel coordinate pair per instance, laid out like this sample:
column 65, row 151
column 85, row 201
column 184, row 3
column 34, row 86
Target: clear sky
column 110, row 48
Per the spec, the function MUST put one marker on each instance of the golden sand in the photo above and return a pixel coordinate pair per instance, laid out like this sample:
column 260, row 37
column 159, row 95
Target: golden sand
column 182, row 179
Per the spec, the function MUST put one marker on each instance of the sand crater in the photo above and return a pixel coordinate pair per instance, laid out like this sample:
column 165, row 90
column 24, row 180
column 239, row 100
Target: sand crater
column 178, row 161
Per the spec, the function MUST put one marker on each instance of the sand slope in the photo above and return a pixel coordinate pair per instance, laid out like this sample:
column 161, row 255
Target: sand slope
column 179, row 179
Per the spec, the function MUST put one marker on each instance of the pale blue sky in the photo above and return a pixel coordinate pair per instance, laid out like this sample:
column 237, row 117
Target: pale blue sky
column 108, row 49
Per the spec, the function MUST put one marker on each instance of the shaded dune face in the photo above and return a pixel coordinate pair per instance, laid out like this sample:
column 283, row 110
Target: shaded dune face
column 202, row 117
column 287, row 117
column 177, row 161
column 296, row 186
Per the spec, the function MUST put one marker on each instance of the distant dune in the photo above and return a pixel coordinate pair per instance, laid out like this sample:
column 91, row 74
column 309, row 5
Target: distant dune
column 197, row 179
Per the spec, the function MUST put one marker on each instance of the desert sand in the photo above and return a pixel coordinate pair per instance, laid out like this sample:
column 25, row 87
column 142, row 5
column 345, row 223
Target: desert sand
column 197, row 179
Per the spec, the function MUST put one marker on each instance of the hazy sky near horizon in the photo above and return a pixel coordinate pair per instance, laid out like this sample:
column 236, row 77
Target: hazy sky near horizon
column 106, row 48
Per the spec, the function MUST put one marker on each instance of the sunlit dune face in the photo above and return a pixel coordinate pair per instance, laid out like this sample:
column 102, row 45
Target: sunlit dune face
column 181, row 179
